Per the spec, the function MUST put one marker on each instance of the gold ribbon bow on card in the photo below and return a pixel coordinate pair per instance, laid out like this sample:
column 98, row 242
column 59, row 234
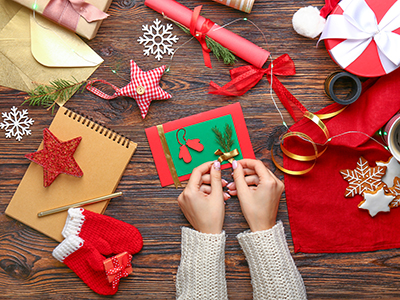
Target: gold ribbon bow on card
column 228, row 156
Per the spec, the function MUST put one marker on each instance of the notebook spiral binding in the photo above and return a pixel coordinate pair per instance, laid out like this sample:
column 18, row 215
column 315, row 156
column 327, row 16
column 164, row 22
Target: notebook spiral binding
column 111, row 134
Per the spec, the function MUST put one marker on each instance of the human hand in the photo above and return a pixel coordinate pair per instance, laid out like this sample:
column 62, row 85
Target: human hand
column 202, row 201
column 258, row 191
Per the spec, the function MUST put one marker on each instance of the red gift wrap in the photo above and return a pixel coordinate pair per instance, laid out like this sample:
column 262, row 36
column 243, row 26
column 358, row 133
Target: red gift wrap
column 241, row 47
column 117, row 267
column 363, row 36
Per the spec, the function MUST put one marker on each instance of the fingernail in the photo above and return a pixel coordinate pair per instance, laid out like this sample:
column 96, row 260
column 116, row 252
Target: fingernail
column 217, row 165
column 234, row 164
column 224, row 181
column 229, row 185
column 227, row 195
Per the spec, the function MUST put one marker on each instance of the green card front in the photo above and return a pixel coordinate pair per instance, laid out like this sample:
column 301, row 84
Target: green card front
column 202, row 131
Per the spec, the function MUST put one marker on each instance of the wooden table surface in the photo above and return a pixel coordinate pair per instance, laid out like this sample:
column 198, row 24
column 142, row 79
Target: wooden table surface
column 27, row 268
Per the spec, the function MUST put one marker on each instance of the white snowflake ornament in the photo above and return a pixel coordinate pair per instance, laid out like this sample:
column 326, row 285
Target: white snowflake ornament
column 16, row 123
column 157, row 39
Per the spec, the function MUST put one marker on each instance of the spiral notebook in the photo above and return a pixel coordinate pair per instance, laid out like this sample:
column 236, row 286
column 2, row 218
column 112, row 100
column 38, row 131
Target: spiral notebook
column 102, row 155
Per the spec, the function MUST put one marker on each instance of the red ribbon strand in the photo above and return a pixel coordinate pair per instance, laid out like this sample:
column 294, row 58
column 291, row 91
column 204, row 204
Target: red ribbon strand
column 201, row 35
column 246, row 77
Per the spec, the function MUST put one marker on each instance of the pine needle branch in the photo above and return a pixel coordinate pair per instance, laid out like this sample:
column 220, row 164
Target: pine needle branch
column 224, row 140
column 59, row 90
column 219, row 51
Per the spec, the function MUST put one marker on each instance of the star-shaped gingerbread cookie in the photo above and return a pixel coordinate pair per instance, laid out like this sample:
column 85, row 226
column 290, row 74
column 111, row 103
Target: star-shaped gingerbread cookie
column 376, row 201
column 56, row 157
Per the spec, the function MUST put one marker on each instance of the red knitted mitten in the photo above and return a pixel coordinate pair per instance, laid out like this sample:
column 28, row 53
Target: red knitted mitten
column 86, row 261
column 108, row 235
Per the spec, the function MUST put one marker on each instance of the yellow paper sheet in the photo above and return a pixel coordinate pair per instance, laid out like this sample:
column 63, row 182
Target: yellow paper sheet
column 20, row 69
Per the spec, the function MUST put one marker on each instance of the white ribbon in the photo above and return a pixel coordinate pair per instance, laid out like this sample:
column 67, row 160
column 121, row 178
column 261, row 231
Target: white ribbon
column 358, row 26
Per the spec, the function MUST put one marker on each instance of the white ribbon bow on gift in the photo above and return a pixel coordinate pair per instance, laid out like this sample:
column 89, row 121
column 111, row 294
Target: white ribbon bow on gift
column 358, row 26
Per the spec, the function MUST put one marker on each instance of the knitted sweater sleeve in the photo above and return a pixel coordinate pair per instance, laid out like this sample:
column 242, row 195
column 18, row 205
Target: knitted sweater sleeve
column 273, row 272
column 201, row 273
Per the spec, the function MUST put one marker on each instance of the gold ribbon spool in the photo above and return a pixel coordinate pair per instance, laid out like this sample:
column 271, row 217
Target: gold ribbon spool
column 229, row 156
column 315, row 118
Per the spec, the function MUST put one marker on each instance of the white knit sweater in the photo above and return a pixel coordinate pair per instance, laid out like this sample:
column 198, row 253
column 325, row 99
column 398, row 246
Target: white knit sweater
column 201, row 273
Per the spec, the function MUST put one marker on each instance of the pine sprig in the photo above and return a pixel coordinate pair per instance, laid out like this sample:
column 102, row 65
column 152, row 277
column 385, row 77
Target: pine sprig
column 219, row 51
column 59, row 90
column 224, row 139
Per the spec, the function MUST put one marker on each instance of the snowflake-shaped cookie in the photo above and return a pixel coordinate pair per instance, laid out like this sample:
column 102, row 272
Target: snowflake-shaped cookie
column 395, row 191
column 157, row 39
column 363, row 178
column 16, row 123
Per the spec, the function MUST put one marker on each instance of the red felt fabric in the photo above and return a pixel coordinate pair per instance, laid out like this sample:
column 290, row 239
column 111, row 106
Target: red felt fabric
column 322, row 220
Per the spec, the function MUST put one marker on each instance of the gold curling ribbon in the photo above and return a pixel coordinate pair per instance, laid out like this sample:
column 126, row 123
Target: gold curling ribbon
column 317, row 120
column 168, row 156
column 330, row 115
column 229, row 156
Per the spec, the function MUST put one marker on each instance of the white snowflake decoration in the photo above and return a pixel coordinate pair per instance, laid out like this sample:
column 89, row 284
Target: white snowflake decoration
column 157, row 39
column 16, row 123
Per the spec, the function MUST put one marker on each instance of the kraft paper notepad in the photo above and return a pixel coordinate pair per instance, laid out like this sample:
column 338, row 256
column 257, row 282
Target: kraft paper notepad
column 102, row 155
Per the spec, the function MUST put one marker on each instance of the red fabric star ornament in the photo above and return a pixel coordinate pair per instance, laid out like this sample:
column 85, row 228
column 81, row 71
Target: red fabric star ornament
column 144, row 87
column 56, row 157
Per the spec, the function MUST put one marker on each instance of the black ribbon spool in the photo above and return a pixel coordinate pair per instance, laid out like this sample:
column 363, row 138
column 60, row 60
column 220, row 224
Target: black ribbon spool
column 355, row 82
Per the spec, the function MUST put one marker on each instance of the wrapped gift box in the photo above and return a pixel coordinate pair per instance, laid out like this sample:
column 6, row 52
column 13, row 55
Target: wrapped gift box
column 59, row 11
column 120, row 260
column 363, row 36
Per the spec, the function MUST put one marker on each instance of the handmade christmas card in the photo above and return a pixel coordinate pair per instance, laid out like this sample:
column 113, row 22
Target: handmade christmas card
column 181, row 145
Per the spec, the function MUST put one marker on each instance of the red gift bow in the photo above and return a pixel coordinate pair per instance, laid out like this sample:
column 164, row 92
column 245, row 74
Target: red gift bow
column 244, row 78
column 118, row 270
column 67, row 12
column 201, row 35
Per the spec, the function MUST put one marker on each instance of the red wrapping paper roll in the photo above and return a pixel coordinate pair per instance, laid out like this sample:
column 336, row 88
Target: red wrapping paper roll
column 241, row 47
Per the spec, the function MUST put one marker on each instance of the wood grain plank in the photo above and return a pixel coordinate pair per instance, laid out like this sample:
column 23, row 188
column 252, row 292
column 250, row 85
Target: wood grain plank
column 27, row 268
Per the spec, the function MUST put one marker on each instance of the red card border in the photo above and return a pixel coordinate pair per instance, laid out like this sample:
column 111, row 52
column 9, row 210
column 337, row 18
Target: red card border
column 235, row 110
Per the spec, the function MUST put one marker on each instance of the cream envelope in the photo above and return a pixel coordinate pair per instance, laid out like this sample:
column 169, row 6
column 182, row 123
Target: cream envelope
column 35, row 50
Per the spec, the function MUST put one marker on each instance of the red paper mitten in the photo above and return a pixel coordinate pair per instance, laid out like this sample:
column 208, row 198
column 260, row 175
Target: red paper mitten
column 195, row 145
column 184, row 154
column 87, row 262
column 108, row 235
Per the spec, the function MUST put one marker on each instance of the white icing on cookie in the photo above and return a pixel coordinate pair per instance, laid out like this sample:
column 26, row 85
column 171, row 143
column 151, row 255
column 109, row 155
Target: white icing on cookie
column 376, row 201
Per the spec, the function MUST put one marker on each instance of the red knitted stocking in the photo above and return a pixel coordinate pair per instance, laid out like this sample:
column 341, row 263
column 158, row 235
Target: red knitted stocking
column 108, row 235
column 86, row 261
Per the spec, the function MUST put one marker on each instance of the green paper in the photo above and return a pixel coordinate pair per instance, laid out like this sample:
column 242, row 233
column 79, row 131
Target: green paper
column 203, row 132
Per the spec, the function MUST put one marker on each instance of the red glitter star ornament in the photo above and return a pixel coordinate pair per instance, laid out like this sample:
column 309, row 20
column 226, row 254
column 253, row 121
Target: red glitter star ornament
column 56, row 157
column 144, row 87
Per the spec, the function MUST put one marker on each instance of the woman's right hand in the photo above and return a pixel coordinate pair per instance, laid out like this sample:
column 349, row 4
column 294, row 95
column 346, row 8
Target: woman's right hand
column 258, row 191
